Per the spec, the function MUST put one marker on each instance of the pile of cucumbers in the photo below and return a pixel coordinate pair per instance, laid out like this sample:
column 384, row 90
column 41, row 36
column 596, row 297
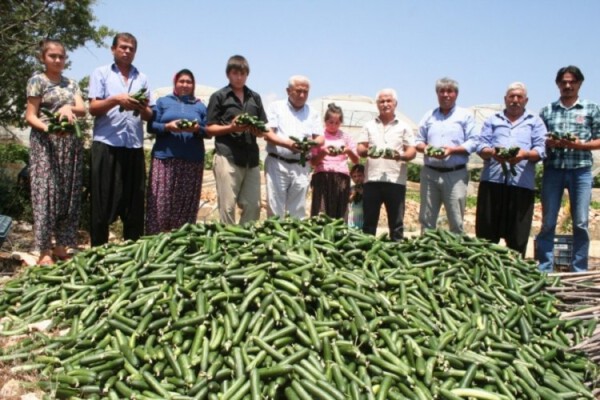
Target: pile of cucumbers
column 294, row 309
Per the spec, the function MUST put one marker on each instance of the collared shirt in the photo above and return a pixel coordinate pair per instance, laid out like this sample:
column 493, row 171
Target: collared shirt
column 527, row 133
column 395, row 135
column 583, row 120
column 457, row 128
column 223, row 107
column 287, row 122
column 115, row 128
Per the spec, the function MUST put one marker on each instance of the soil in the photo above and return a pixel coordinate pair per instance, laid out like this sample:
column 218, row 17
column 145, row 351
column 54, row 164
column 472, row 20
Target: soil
column 19, row 249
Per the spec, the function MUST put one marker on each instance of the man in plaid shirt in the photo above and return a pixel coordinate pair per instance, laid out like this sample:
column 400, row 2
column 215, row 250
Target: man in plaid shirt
column 574, row 131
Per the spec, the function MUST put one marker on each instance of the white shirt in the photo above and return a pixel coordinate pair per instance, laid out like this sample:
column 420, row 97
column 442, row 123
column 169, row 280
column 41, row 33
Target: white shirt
column 395, row 135
column 286, row 121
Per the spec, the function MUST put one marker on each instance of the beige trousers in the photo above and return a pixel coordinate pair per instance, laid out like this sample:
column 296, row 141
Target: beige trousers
column 236, row 187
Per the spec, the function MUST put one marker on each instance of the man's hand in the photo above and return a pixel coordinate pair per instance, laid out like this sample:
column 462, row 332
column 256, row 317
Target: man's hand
column 128, row 103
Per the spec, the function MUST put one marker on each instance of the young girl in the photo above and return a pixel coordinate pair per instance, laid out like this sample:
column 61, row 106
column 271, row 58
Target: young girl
column 331, row 177
column 55, row 158
column 355, row 213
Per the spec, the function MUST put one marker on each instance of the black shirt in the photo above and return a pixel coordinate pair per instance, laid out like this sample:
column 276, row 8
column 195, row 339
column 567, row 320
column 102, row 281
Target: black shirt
column 223, row 107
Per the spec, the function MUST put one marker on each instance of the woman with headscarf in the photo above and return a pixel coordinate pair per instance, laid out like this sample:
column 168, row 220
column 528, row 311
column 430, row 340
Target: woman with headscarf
column 179, row 121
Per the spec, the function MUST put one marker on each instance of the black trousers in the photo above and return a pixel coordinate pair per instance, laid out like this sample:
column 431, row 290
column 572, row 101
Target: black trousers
column 392, row 196
column 118, row 180
column 504, row 212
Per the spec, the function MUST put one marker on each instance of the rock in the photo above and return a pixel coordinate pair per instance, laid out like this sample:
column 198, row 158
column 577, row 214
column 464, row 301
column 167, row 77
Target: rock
column 11, row 389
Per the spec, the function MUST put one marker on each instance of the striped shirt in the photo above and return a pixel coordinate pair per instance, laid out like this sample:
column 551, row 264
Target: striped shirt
column 583, row 120
column 528, row 133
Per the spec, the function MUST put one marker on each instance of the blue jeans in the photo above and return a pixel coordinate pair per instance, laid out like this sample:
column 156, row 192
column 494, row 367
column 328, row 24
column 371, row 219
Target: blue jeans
column 579, row 184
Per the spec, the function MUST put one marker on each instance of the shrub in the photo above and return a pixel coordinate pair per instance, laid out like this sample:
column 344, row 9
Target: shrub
column 14, row 193
column 413, row 172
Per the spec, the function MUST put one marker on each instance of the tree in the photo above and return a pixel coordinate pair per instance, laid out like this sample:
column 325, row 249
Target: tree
column 23, row 24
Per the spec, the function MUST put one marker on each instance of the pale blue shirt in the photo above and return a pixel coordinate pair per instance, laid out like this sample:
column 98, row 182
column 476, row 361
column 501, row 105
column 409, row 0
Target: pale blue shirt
column 115, row 128
column 455, row 129
column 527, row 133
column 286, row 121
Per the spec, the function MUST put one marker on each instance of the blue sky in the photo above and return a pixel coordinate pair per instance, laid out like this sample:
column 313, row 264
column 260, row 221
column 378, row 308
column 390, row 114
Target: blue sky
column 358, row 47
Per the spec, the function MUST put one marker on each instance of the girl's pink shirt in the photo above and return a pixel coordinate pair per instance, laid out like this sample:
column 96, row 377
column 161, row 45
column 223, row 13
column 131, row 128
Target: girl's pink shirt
column 335, row 163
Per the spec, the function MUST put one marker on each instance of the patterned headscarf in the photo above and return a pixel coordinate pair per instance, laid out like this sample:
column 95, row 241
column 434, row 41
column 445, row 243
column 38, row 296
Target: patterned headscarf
column 185, row 71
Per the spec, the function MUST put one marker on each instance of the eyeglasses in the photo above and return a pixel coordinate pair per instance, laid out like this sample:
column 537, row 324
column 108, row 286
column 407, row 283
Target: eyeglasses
column 57, row 56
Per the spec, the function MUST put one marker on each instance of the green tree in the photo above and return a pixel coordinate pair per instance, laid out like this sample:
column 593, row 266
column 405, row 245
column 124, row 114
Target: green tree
column 23, row 24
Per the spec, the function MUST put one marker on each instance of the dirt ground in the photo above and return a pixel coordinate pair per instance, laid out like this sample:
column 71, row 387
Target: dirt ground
column 19, row 248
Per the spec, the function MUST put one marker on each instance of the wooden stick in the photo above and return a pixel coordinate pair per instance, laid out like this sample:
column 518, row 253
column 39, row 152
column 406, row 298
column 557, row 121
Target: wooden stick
column 585, row 311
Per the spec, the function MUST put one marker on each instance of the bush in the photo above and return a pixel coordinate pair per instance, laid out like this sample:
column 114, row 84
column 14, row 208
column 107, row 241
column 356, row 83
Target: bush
column 413, row 172
column 14, row 193
column 475, row 174
column 209, row 159
column 13, row 152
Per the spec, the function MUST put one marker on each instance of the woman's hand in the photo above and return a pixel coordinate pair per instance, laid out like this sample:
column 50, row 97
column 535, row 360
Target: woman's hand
column 173, row 127
column 66, row 112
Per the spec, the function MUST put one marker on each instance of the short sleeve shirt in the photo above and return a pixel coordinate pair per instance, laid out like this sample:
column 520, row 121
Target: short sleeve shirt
column 288, row 122
column 53, row 95
column 116, row 128
column 394, row 135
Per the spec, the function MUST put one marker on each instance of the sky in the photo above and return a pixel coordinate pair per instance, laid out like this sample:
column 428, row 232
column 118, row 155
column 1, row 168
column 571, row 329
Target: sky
column 361, row 46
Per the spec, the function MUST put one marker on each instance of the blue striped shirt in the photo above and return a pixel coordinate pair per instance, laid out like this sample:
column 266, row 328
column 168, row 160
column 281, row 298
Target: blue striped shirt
column 527, row 133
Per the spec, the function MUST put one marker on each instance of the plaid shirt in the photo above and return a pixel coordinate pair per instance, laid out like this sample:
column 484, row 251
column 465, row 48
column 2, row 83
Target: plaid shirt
column 582, row 120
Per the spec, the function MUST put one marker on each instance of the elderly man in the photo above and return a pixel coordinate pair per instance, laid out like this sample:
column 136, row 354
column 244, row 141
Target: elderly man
column 447, row 136
column 388, row 144
column 507, row 185
column 575, row 127
column 286, row 176
column 118, row 172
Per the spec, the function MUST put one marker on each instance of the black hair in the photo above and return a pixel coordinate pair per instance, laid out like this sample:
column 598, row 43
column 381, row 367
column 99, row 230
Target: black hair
column 575, row 71
column 237, row 63
column 125, row 36
column 333, row 108
column 357, row 168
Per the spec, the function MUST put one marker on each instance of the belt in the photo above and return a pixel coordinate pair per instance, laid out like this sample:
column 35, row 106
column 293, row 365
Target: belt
column 287, row 160
column 450, row 169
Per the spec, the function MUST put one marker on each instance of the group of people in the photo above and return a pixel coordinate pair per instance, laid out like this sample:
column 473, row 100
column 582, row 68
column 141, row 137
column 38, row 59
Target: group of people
column 181, row 123
column 511, row 142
